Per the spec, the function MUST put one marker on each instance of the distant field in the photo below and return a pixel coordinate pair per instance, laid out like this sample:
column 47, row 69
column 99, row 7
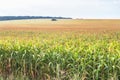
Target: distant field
column 67, row 24
column 60, row 50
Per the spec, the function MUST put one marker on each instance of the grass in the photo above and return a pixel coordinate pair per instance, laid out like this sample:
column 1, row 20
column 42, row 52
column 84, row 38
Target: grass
column 72, row 54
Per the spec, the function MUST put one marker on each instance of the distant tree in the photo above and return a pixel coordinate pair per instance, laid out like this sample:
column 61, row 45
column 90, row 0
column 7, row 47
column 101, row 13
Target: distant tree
column 53, row 19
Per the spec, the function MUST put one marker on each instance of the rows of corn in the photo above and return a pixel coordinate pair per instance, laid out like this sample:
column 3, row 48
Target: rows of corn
column 70, row 55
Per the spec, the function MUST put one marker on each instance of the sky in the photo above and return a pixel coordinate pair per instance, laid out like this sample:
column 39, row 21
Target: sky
column 65, row 8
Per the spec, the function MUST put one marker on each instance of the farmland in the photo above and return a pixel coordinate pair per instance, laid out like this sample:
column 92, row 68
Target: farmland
column 60, row 50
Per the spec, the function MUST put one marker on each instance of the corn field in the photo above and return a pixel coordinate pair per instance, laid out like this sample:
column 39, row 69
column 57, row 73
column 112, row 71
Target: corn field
column 70, row 55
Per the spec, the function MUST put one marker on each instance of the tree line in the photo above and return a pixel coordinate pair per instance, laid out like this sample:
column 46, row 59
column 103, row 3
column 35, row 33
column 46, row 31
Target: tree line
column 3, row 18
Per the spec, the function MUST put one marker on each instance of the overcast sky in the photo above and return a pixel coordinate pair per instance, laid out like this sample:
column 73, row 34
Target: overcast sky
column 65, row 8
